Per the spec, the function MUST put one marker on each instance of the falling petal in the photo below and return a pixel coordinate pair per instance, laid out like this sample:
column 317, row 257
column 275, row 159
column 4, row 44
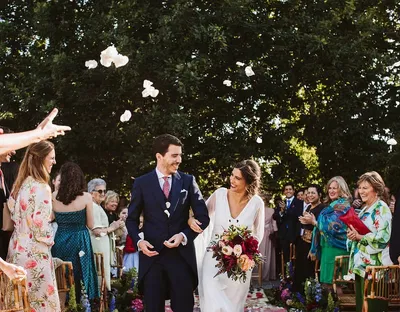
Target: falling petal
column 125, row 116
column 120, row 60
column 81, row 253
column 91, row 64
column 147, row 84
column 154, row 92
column 110, row 52
column 146, row 92
column 167, row 204
column 167, row 213
column 105, row 61
column 392, row 142
column 249, row 71
column 227, row 82
column 259, row 140
column 239, row 64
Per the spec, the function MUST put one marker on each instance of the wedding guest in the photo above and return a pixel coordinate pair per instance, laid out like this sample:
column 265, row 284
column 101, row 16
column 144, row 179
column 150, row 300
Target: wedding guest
column 287, row 219
column 131, row 254
column 56, row 181
column 110, row 206
column 32, row 237
column 394, row 243
column 122, row 216
column 73, row 210
column 267, row 245
column 371, row 249
column 305, row 267
column 101, row 229
column 7, row 178
column 330, row 241
column 300, row 194
column 239, row 205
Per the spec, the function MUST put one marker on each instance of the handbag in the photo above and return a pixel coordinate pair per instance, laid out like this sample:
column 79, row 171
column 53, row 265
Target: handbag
column 8, row 224
column 307, row 236
column 351, row 218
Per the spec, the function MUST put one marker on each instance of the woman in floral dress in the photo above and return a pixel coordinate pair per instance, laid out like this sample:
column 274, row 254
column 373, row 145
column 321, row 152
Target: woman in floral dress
column 371, row 249
column 32, row 237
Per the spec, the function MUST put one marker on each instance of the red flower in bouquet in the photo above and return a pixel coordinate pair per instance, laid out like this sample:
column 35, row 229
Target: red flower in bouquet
column 236, row 252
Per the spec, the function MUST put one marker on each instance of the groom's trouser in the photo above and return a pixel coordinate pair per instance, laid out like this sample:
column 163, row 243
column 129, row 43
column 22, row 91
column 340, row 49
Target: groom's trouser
column 169, row 277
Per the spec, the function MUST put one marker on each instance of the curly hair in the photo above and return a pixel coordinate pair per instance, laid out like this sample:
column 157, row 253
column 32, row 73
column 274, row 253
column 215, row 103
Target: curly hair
column 72, row 183
column 251, row 173
column 377, row 183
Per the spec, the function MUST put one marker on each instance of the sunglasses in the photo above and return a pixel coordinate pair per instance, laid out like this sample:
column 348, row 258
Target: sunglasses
column 100, row 191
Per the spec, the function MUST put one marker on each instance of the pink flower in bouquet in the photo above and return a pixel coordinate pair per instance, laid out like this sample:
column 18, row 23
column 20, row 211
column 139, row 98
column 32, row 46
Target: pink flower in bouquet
column 237, row 250
column 221, row 243
column 227, row 250
column 244, row 263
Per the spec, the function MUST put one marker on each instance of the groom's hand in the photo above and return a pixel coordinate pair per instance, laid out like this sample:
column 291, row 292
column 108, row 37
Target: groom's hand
column 174, row 241
column 145, row 247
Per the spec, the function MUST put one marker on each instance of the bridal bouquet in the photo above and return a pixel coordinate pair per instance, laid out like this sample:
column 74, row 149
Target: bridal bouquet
column 236, row 252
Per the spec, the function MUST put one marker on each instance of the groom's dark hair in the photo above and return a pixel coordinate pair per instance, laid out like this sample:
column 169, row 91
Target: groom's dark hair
column 162, row 142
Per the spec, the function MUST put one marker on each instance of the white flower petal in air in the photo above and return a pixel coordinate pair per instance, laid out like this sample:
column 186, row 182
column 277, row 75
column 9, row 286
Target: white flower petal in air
column 239, row 64
column 81, row 253
column 125, row 116
column 167, row 213
column 167, row 204
column 227, row 82
column 111, row 52
column 249, row 71
column 259, row 140
column 146, row 92
column 392, row 142
column 120, row 60
column 105, row 61
column 147, row 84
column 91, row 64
column 154, row 92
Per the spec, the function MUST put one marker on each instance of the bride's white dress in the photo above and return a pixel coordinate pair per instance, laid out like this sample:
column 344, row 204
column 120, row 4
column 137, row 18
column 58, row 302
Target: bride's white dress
column 222, row 294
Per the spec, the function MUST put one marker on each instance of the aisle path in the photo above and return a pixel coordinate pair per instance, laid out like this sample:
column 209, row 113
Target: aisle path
column 256, row 302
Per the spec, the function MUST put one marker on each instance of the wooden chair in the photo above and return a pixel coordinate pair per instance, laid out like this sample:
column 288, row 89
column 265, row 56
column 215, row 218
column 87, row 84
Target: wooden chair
column 13, row 295
column 347, row 296
column 119, row 261
column 317, row 269
column 257, row 274
column 382, row 282
column 65, row 279
column 99, row 260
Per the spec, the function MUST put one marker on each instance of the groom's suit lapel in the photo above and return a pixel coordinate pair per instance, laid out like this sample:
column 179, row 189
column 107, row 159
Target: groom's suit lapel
column 175, row 191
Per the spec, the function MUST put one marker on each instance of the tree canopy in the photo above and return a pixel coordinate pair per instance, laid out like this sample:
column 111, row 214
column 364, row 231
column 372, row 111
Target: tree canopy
column 323, row 101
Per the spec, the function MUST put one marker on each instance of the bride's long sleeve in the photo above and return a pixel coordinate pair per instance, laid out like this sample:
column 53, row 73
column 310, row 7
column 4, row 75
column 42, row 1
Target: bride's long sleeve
column 258, row 225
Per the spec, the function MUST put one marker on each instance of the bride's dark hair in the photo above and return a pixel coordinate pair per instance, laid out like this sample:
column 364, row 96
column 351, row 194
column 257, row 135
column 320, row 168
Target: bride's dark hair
column 251, row 173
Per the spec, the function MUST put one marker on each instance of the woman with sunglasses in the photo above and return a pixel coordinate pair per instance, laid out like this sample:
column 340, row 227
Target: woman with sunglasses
column 101, row 228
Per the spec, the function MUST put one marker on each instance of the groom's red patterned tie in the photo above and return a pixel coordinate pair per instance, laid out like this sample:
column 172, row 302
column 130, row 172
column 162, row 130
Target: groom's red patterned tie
column 165, row 188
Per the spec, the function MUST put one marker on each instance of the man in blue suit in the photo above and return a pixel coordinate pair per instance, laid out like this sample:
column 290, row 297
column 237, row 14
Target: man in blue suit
column 167, row 262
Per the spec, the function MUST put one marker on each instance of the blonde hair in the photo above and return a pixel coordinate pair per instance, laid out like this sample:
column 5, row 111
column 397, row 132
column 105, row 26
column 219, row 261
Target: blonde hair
column 377, row 183
column 110, row 195
column 344, row 191
column 33, row 165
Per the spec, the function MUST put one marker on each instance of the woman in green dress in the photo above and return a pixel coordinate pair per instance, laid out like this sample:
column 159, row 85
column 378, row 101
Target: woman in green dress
column 329, row 234
column 371, row 249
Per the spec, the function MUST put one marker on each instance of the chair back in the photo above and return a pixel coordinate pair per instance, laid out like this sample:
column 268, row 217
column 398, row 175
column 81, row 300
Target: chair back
column 13, row 295
column 99, row 261
column 119, row 261
column 343, row 288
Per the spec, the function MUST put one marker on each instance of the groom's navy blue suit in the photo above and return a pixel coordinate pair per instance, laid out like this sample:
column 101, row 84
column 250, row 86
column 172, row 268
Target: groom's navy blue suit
column 172, row 273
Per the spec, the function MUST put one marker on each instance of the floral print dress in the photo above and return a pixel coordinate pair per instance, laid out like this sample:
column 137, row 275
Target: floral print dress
column 373, row 248
column 31, row 242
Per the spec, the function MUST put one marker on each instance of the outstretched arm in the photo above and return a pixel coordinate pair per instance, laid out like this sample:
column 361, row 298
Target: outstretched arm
column 45, row 130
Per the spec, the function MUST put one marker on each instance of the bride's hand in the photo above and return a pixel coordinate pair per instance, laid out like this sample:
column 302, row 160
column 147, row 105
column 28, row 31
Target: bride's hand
column 195, row 225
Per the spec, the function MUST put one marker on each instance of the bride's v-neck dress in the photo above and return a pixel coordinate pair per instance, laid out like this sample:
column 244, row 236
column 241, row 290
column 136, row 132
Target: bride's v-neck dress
column 222, row 294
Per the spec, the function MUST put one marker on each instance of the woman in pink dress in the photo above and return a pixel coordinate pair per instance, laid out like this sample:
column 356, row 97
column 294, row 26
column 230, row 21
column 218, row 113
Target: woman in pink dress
column 32, row 237
column 267, row 246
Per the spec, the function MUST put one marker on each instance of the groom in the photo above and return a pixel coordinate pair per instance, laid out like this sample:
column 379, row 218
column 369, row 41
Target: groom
column 167, row 262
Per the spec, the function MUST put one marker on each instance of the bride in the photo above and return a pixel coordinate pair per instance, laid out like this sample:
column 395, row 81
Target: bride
column 238, row 205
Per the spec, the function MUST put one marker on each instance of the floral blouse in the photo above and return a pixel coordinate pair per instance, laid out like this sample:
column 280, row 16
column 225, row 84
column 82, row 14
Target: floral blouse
column 373, row 248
